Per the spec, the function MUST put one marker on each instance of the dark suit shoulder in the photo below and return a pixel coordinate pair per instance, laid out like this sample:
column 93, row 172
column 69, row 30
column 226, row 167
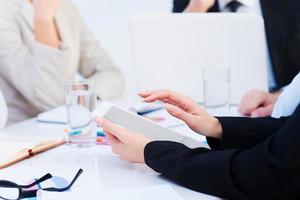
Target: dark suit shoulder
column 180, row 5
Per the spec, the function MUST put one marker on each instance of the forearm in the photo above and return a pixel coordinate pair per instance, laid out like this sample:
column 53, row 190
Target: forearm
column 240, row 132
column 36, row 70
column 199, row 6
column 41, row 74
column 193, row 9
column 199, row 169
column 46, row 31
column 41, row 69
column 267, row 171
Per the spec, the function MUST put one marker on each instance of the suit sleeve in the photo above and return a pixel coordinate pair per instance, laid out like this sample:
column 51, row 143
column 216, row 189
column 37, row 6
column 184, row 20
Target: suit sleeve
column 239, row 132
column 269, row 170
column 180, row 5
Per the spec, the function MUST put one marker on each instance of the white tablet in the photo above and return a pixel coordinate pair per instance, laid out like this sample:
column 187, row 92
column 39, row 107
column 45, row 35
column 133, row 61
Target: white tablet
column 142, row 125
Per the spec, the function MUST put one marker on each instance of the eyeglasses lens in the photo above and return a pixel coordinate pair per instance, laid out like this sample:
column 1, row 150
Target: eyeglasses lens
column 9, row 193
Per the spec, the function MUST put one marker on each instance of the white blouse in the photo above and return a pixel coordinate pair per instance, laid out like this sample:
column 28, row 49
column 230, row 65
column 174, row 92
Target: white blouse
column 289, row 99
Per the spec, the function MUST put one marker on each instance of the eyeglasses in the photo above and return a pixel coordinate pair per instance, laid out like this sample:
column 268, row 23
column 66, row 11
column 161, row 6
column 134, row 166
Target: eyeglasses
column 12, row 191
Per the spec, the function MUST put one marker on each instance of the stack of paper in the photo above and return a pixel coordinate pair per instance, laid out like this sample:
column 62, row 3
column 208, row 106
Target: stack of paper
column 145, row 193
column 55, row 116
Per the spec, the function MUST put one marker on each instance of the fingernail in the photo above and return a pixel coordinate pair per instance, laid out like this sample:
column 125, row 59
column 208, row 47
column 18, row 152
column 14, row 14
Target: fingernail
column 254, row 114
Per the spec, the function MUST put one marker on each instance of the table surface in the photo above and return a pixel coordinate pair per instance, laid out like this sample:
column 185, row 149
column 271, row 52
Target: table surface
column 99, row 163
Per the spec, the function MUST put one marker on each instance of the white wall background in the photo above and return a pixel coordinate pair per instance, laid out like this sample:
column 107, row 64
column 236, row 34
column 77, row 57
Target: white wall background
column 108, row 19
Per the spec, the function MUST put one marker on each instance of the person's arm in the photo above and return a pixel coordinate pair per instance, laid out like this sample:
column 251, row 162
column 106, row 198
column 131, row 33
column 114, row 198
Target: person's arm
column 96, row 64
column 45, row 28
column 242, row 132
column 269, row 170
column 196, row 6
column 36, row 70
column 256, row 103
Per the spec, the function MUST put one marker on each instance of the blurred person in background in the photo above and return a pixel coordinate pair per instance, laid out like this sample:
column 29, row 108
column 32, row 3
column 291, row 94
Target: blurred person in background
column 44, row 43
column 282, row 24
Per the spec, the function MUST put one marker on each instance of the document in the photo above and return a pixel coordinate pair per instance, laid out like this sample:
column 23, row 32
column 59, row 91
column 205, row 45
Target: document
column 145, row 193
column 55, row 116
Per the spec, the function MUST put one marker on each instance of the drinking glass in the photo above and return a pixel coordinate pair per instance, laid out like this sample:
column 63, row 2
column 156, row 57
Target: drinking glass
column 80, row 102
column 216, row 83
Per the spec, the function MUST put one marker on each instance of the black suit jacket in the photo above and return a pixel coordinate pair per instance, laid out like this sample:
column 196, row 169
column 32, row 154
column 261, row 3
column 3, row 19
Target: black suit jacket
column 282, row 23
column 256, row 159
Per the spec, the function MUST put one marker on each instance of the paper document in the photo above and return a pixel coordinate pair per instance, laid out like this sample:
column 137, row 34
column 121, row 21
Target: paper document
column 55, row 116
column 145, row 193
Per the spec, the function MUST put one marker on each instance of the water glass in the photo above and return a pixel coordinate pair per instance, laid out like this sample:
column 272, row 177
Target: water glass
column 80, row 102
column 216, row 82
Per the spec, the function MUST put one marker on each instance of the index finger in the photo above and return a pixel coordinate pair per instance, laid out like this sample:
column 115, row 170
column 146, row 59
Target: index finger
column 167, row 97
column 111, row 138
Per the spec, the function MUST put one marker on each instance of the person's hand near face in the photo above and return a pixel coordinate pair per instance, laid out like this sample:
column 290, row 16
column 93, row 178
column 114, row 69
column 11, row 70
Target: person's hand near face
column 46, row 8
column 186, row 109
column 45, row 28
column 258, row 103
column 200, row 6
column 125, row 143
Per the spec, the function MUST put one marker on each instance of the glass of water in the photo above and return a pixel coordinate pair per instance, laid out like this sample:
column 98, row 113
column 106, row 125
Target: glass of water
column 80, row 102
column 216, row 83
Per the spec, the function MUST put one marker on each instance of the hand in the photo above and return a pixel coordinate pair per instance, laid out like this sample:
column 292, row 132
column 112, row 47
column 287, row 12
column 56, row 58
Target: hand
column 199, row 5
column 45, row 27
column 186, row 109
column 46, row 8
column 258, row 103
column 127, row 144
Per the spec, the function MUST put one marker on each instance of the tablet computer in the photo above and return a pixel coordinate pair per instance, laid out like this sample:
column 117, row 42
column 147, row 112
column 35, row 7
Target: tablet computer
column 139, row 124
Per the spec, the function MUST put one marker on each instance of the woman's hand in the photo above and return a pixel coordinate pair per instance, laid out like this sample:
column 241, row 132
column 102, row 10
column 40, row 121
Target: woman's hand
column 186, row 109
column 45, row 28
column 199, row 5
column 127, row 144
column 46, row 8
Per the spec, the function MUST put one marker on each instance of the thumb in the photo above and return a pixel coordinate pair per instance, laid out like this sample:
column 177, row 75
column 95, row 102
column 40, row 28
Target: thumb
column 178, row 113
column 262, row 111
column 112, row 139
column 113, row 129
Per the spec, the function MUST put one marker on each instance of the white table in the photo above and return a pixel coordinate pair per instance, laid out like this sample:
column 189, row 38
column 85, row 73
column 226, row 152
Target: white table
column 102, row 169
column 98, row 162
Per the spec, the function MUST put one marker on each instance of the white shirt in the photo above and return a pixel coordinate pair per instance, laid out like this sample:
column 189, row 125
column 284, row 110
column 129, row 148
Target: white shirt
column 289, row 99
column 253, row 7
column 3, row 111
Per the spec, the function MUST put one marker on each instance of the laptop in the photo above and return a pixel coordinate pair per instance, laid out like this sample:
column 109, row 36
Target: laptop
column 171, row 50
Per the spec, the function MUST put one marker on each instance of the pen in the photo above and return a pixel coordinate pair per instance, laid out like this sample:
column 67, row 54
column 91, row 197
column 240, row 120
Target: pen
column 148, row 111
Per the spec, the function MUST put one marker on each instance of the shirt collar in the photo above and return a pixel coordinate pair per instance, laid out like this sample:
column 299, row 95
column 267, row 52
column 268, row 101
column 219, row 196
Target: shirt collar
column 247, row 3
